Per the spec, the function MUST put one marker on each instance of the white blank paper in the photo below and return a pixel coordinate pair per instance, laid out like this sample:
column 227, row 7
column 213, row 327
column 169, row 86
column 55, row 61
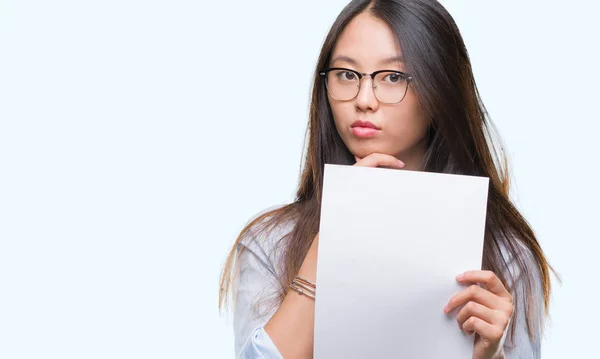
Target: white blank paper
column 391, row 244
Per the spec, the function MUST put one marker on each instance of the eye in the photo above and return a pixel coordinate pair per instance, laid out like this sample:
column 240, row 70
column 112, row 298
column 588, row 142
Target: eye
column 395, row 77
column 346, row 75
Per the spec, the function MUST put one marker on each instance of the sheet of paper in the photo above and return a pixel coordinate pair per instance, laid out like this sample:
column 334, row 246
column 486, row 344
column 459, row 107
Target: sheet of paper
column 391, row 244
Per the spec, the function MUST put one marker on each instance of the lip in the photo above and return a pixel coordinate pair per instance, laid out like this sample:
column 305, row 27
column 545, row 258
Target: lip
column 365, row 124
column 364, row 129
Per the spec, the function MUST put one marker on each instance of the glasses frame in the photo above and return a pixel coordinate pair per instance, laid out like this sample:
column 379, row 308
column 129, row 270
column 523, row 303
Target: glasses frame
column 360, row 75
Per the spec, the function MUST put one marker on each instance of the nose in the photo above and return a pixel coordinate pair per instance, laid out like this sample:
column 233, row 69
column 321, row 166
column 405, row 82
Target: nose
column 366, row 99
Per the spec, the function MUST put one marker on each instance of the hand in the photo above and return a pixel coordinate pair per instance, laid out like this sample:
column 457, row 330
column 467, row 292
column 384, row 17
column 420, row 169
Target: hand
column 486, row 312
column 379, row 160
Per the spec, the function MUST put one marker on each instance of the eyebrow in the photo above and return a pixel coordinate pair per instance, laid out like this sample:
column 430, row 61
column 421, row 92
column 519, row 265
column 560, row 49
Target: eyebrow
column 348, row 59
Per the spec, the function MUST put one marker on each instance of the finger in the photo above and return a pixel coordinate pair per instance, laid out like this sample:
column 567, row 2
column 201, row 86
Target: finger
column 486, row 330
column 474, row 309
column 380, row 160
column 488, row 278
column 356, row 158
column 476, row 294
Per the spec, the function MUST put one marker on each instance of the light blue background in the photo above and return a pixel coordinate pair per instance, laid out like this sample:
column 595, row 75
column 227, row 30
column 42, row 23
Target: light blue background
column 137, row 137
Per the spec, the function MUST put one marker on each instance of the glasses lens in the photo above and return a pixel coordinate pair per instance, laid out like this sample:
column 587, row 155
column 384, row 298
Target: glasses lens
column 342, row 84
column 390, row 87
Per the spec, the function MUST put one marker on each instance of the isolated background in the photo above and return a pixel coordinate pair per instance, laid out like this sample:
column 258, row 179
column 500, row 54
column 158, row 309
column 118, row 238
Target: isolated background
column 128, row 164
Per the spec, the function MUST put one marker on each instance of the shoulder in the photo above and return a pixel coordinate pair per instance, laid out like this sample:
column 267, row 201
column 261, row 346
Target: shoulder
column 265, row 238
column 519, row 264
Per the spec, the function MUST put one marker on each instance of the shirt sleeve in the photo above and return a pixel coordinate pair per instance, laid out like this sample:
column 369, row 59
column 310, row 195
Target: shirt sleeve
column 522, row 346
column 257, row 288
column 259, row 346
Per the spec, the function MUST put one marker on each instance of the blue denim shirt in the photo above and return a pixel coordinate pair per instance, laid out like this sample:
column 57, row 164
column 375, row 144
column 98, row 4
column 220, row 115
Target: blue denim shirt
column 257, row 283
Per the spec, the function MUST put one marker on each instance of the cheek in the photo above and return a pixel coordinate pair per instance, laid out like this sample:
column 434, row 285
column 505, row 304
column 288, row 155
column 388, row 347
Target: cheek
column 342, row 114
column 407, row 123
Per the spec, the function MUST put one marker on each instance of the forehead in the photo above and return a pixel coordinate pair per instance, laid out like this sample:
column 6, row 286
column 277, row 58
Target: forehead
column 368, row 40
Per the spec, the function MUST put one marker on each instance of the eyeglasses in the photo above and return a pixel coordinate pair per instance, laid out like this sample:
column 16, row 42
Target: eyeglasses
column 344, row 84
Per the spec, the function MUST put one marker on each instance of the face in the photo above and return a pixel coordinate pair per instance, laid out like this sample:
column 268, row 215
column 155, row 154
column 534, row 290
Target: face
column 366, row 45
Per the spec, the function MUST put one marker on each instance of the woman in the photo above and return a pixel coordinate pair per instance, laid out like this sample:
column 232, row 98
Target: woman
column 393, row 88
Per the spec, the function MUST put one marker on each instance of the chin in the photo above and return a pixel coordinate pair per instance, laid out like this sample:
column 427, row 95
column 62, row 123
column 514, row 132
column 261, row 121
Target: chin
column 364, row 151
